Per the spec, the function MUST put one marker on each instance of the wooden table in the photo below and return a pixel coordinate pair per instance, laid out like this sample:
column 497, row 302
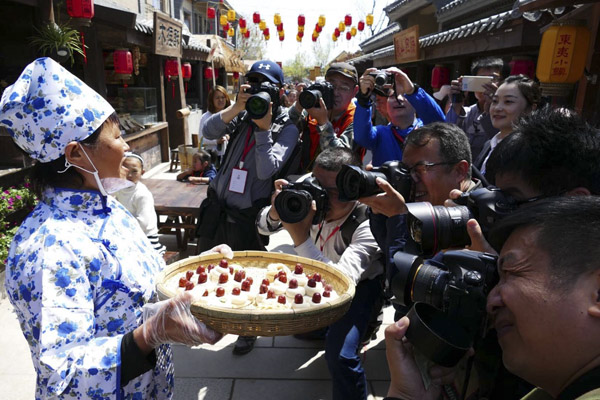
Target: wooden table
column 180, row 202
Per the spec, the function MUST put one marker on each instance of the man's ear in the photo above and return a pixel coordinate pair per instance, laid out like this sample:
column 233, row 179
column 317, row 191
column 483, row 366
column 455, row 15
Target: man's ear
column 594, row 309
column 462, row 167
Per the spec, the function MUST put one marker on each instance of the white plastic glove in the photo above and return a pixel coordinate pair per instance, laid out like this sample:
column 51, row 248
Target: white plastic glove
column 170, row 321
column 224, row 249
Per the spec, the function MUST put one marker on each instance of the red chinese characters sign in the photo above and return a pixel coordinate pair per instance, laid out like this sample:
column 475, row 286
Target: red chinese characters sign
column 563, row 53
column 167, row 36
column 406, row 45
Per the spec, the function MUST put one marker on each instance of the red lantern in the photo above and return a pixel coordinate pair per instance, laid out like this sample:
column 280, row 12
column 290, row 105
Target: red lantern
column 172, row 73
column 242, row 23
column 123, row 62
column 348, row 35
column 211, row 13
column 348, row 20
column 236, row 75
column 80, row 8
column 314, row 38
column 266, row 32
column 440, row 76
column 186, row 73
column 300, row 34
column 361, row 26
column 318, row 29
column 301, row 20
column 246, row 34
column 226, row 27
column 281, row 37
column 336, row 32
column 280, row 27
column 208, row 73
column 256, row 18
column 522, row 66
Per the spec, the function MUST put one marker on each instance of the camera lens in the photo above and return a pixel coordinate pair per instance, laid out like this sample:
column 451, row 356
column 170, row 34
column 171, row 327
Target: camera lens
column 353, row 183
column 429, row 284
column 293, row 205
column 309, row 98
column 257, row 105
column 381, row 78
column 437, row 227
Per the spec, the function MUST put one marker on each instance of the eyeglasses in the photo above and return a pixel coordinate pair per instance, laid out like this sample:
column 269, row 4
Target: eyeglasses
column 530, row 200
column 341, row 88
column 422, row 167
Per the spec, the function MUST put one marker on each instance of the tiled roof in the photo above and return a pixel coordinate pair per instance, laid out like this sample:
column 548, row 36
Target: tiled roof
column 389, row 30
column 194, row 43
column 451, row 5
column 397, row 4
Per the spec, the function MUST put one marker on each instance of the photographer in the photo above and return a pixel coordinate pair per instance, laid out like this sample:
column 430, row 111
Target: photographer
column 358, row 257
column 545, row 307
column 403, row 106
column 328, row 123
column 258, row 150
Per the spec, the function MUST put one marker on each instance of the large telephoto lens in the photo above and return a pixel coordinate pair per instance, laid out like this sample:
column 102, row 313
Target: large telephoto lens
column 257, row 105
column 310, row 98
column 353, row 183
column 436, row 228
column 293, row 205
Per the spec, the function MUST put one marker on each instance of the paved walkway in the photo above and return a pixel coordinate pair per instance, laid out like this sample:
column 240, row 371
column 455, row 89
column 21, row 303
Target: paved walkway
column 279, row 367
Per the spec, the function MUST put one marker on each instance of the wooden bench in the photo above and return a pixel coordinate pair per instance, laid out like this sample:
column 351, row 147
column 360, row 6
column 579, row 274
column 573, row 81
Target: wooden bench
column 170, row 257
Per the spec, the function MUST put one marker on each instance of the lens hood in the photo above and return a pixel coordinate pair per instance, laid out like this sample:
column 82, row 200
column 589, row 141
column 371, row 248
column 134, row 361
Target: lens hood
column 257, row 105
column 437, row 336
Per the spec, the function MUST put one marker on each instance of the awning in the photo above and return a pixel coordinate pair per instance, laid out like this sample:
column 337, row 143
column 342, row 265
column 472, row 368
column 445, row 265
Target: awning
column 222, row 56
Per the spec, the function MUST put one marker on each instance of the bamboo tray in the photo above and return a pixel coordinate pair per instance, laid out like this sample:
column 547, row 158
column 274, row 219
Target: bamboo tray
column 265, row 322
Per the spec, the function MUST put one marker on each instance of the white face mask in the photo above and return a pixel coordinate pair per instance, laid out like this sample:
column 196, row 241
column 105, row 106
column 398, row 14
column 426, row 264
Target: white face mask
column 106, row 185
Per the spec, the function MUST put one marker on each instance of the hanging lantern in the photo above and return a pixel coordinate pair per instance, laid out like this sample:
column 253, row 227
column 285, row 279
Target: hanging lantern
column 348, row 35
column 280, row 27
column 342, row 27
column 267, row 37
column 247, row 34
column 262, row 25
column 315, row 34
column 231, row 32
column 231, row 15
column 281, row 37
column 301, row 20
column 353, row 31
column 123, row 62
column 223, row 20
column 172, row 73
column 562, row 57
column 236, row 75
column 361, row 26
column 186, row 73
column 301, row 34
column 210, row 13
column 525, row 66
column 318, row 29
column 314, row 38
column 321, row 21
column 333, row 37
column 298, row 38
column 369, row 19
column 80, row 8
column 336, row 32
column 301, row 29
column 440, row 76
column 281, row 33
column 243, row 30
column 242, row 23
column 277, row 19
column 348, row 19
column 256, row 18
column 226, row 27
column 266, row 32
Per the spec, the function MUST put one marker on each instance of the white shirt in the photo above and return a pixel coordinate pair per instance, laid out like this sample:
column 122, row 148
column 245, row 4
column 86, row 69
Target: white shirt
column 138, row 200
column 493, row 143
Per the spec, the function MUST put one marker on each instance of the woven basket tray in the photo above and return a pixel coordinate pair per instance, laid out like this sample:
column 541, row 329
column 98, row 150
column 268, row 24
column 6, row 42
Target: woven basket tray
column 265, row 322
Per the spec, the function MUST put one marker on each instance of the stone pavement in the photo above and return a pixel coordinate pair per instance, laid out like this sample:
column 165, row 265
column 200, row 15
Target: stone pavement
column 278, row 367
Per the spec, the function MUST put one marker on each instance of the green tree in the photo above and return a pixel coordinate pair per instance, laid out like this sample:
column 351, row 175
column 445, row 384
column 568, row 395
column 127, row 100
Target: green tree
column 296, row 69
column 321, row 53
column 254, row 47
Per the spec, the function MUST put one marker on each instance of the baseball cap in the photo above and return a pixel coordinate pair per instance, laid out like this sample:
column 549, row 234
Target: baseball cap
column 345, row 69
column 267, row 69
column 443, row 92
column 48, row 107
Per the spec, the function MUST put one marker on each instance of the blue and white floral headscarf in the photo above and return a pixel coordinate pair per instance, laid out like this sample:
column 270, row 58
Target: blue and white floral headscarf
column 48, row 107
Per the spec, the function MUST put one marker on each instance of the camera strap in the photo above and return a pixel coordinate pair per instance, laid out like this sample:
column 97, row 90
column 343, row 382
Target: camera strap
column 247, row 146
column 399, row 137
column 333, row 232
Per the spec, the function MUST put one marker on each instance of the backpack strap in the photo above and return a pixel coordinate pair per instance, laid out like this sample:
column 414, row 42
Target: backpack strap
column 356, row 217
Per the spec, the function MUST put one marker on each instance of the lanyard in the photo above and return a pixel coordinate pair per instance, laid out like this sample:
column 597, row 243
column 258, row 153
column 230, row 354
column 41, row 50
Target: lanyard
column 248, row 146
column 337, row 228
column 398, row 136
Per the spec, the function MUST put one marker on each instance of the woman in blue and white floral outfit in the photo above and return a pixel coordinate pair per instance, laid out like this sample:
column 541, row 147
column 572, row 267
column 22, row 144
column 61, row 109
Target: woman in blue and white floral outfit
column 80, row 269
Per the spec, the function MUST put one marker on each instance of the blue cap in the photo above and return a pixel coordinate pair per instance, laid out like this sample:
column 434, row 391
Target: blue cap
column 267, row 69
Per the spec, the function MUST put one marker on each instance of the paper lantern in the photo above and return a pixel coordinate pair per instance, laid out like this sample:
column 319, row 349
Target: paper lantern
column 226, row 27
column 242, row 23
column 298, row 38
column 231, row 32
column 186, row 70
column 281, row 37
column 262, row 25
column 333, row 37
column 281, row 33
column 277, row 19
column 247, row 34
column 123, row 62
column 209, row 73
column 361, row 26
column 369, row 19
column 348, row 35
column 243, row 30
column 348, row 19
column 440, row 76
column 301, row 20
column 300, row 28
column 523, row 66
column 236, row 75
column 563, row 53
column 256, row 18
column 280, row 27
column 321, row 21
column 210, row 12
column 80, row 8
column 336, row 32
column 353, row 31
column 314, row 38
column 301, row 34
column 342, row 27
column 231, row 15
column 223, row 20
column 318, row 29
column 266, row 32
column 267, row 37
column 171, row 67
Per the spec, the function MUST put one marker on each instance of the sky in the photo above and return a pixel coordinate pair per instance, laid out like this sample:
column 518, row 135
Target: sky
column 333, row 10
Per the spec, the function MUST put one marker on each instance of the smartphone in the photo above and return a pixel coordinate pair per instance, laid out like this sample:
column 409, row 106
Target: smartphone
column 475, row 83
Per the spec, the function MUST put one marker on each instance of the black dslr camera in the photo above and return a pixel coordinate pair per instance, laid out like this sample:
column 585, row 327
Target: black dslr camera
column 434, row 228
column 294, row 202
column 448, row 300
column 263, row 93
column 310, row 96
column 353, row 183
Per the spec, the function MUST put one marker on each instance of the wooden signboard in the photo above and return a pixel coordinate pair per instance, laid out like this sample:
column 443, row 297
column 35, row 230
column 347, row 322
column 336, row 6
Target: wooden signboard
column 167, row 36
column 406, row 45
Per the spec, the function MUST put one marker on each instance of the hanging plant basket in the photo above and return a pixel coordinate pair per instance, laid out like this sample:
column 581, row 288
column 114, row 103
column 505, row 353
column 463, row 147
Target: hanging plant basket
column 59, row 42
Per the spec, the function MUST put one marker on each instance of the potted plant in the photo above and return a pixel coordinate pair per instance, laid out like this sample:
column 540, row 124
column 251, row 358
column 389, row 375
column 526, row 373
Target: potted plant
column 15, row 204
column 58, row 41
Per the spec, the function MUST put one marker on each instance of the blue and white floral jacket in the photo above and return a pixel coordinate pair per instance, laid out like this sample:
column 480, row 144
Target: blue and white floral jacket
column 78, row 273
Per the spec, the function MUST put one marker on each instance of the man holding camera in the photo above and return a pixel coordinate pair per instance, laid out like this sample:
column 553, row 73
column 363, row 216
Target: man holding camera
column 352, row 251
column 545, row 307
column 258, row 149
column 328, row 114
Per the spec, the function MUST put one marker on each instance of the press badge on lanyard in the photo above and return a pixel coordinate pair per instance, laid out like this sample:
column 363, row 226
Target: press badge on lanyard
column 239, row 175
